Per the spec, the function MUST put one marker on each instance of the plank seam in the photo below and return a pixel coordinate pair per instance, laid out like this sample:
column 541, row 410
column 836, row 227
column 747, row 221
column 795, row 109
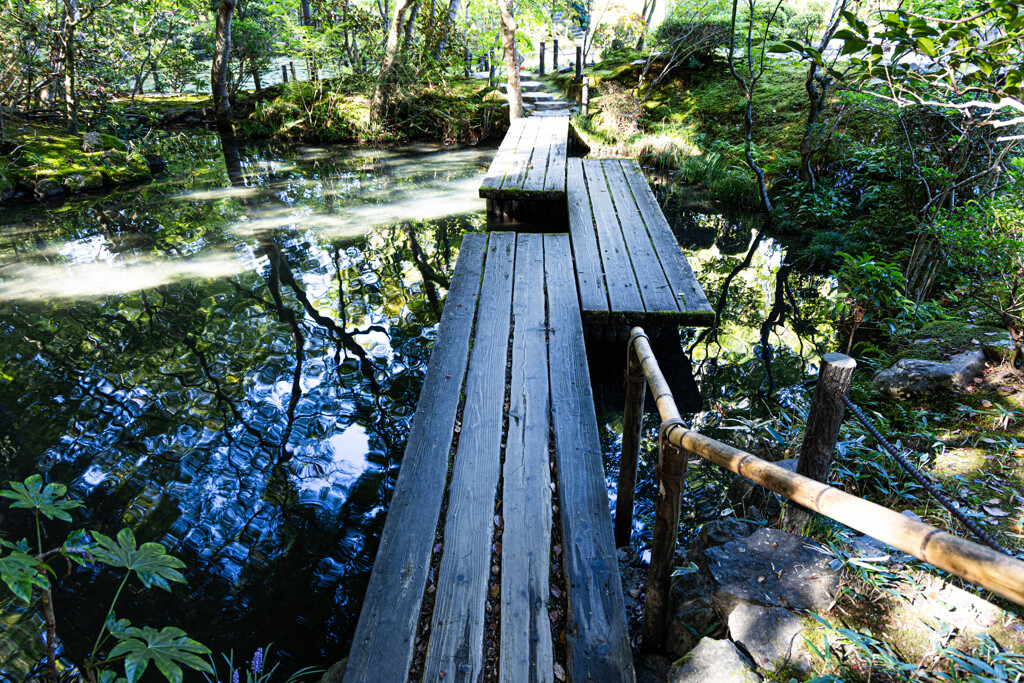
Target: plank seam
column 430, row 589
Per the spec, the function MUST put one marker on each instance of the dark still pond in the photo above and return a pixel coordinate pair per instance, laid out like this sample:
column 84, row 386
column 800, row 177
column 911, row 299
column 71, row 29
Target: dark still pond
column 227, row 363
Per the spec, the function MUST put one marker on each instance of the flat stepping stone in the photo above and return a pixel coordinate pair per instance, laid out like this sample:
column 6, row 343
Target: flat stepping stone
column 553, row 105
column 537, row 96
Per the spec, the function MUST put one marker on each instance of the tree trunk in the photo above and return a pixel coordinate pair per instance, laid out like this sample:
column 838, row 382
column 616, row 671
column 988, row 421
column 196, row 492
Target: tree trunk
column 385, row 81
column 307, row 17
column 817, row 86
column 256, row 79
column 219, row 82
column 70, row 89
column 508, row 41
column 409, row 25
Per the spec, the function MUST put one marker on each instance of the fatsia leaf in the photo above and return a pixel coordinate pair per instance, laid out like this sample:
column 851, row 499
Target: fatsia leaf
column 150, row 562
column 21, row 572
column 169, row 649
column 32, row 495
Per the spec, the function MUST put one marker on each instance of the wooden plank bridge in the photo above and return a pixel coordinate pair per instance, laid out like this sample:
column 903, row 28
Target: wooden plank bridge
column 500, row 514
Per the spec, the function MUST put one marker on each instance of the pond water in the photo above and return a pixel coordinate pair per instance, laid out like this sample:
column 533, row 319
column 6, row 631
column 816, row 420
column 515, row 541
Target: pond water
column 227, row 360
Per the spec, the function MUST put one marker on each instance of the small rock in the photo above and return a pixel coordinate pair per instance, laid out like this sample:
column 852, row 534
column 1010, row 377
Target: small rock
column 79, row 182
column 998, row 347
column 47, row 188
column 92, row 142
column 336, row 673
column 909, row 376
column 771, row 635
column 714, row 661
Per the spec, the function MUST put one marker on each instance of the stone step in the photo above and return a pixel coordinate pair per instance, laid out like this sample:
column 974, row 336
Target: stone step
column 525, row 86
column 552, row 112
column 537, row 96
column 553, row 105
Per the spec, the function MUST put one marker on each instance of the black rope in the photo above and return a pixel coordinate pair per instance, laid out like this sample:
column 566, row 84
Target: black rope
column 924, row 481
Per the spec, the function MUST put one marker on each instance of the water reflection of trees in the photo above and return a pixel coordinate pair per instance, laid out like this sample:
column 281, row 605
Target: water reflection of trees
column 253, row 423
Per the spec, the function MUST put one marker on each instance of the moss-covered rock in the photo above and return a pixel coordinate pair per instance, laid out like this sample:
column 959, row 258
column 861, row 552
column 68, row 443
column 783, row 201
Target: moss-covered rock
column 48, row 188
column 943, row 339
column 7, row 185
column 80, row 182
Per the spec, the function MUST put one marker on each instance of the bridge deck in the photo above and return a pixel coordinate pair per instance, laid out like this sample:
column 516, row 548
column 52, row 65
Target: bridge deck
column 526, row 179
column 629, row 267
column 505, row 411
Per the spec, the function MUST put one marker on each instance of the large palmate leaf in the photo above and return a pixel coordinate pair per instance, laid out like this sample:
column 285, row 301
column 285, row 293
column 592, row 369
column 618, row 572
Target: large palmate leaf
column 32, row 495
column 21, row 572
column 151, row 563
column 169, row 648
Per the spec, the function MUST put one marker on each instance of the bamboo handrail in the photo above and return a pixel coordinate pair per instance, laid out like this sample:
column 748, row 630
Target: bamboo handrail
column 1001, row 574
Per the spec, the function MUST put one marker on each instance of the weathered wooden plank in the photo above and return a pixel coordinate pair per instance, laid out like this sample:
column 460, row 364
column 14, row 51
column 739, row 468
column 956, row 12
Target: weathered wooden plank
column 596, row 634
column 500, row 164
column 589, row 275
column 526, row 646
column 455, row 650
column 517, row 169
column 537, row 169
column 655, row 289
column 694, row 307
column 619, row 279
column 555, row 181
column 382, row 648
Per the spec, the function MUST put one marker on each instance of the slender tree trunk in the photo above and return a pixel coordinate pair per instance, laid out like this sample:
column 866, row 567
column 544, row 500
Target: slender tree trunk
column 219, row 79
column 410, row 24
column 508, row 41
column 70, row 66
column 307, row 16
column 385, row 81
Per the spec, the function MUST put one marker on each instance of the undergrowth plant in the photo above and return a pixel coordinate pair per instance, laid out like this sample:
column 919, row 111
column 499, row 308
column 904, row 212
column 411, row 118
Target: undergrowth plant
column 28, row 573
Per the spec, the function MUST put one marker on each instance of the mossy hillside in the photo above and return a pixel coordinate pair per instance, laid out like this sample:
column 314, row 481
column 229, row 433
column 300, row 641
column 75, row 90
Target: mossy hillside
column 338, row 111
column 38, row 153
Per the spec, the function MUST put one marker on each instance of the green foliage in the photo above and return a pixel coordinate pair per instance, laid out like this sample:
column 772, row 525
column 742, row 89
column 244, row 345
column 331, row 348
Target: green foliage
column 150, row 562
column 168, row 649
column 25, row 574
column 46, row 500
column 869, row 290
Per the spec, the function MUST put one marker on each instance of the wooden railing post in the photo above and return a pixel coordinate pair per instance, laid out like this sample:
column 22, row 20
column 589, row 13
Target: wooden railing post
column 585, row 97
column 632, row 420
column 284, row 73
column 540, row 71
column 822, row 431
column 490, row 69
column 554, row 54
column 579, row 63
column 292, row 65
column 671, row 474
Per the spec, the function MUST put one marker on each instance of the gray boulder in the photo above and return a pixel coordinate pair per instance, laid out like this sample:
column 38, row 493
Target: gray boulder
column 92, row 142
column 772, row 568
column 80, row 182
column 719, row 532
column 714, row 661
column 909, row 376
column 771, row 635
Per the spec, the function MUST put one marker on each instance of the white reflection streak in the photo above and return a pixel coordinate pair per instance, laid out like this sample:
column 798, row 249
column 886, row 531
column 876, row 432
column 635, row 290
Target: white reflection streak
column 39, row 282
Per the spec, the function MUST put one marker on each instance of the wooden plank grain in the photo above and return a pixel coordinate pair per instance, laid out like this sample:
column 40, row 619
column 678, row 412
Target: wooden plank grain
column 382, row 647
column 620, row 281
column 455, row 651
column 655, row 289
column 515, row 176
column 693, row 304
column 596, row 635
column 526, row 652
column 556, row 179
column 589, row 274
column 538, row 167
column 492, row 181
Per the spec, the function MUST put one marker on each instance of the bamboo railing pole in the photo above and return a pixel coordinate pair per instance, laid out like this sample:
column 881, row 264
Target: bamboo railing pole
column 822, row 430
column 632, row 421
column 999, row 573
column 671, row 474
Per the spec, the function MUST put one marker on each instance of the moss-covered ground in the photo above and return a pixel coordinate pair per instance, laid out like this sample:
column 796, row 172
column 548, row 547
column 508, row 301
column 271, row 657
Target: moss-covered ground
column 43, row 159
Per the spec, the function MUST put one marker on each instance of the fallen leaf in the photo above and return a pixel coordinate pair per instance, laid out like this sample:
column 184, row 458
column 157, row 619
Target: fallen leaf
column 635, row 592
column 495, row 590
column 993, row 501
column 437, row 548
column 555, row 592
column 995, row 512
column 986, row 404
column 559, row 672
column 498, row 521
